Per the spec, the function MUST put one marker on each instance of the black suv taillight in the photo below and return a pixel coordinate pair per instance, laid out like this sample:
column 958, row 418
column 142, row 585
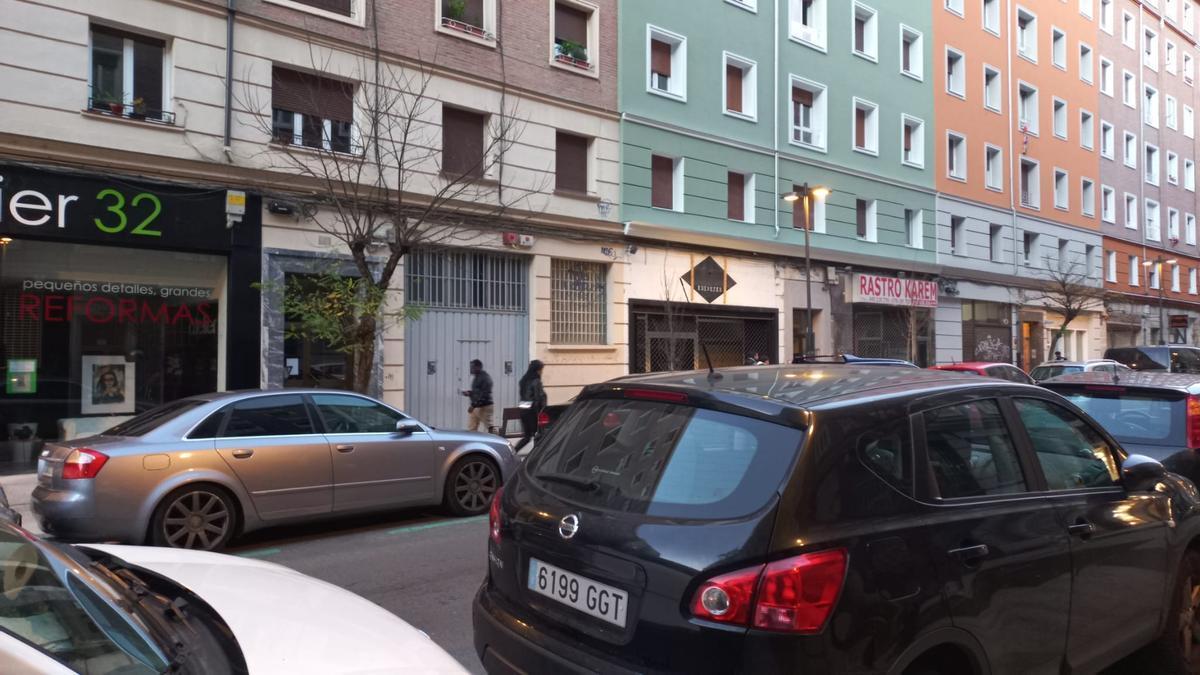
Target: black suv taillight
column 494, row 516
column 794, row 595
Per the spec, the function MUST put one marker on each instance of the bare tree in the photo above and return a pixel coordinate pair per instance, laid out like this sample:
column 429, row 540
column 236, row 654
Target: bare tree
column 386, row 186
column 1069, row 290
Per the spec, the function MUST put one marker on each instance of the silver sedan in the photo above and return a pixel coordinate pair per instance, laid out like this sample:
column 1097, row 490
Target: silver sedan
column 196, row 472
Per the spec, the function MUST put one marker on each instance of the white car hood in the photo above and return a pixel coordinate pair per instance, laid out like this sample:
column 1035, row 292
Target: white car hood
column 286, row 622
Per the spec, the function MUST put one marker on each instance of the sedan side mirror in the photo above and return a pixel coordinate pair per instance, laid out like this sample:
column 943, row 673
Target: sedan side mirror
column 408, row 427
column 1140, row 473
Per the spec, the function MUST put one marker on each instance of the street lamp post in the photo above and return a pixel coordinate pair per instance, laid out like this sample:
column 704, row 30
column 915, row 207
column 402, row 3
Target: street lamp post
column 807, row 193
column 1157, row 263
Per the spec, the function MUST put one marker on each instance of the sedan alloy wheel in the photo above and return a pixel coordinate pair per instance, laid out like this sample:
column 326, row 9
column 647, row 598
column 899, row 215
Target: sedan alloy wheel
column 473, row 485
column 198, row 519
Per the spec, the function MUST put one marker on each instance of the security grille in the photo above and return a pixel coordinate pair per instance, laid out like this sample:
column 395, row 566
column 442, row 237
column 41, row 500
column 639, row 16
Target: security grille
column 675, row 338
column 886, row 333
column 578, row 302
column 465, row 279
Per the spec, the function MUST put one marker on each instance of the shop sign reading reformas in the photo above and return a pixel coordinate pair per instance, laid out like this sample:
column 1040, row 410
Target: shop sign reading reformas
column 892, row 291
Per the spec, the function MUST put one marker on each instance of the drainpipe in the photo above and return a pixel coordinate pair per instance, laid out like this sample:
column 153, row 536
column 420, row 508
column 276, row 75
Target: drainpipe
column 1014, row 184
column 775, row 120
column 230, row 11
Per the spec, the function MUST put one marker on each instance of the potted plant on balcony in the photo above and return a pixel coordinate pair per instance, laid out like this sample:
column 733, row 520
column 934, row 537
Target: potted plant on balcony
column 571, row 53
column 139, row 108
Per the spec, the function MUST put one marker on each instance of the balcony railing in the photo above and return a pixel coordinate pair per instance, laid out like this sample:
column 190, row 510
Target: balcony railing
column 465, row 27
column 130, row 111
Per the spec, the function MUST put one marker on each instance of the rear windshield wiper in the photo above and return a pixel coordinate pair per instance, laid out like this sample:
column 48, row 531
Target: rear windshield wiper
column 585, row 484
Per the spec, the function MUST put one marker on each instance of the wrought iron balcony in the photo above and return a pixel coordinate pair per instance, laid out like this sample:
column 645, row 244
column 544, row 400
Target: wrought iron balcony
column 130, row 111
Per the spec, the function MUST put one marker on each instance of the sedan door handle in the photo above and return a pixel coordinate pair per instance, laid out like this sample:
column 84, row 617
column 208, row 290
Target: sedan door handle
column 344, row 448
column 969, row 554
column 1081, row 529
column 242, row 454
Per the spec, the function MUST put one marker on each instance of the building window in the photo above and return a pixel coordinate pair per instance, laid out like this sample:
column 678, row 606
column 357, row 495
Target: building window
column 806, row 21
column 995, row 243
column 1107, row 142
column 958, row 234
column 1189, row 68
column 1170, row 9
column 1085, row 8
column 866, row 126
column 571, row 163
column 913, row 141
column 865, row 218
column 914, row 227
column 1150, row 109
column 1062, row 190
column 1135, row 270
column 1106, row 16
column 1131, row 217
column 1027, row 34
column 1153, row 274
column 1108, row 204
column 1189, row 229
column 809, row 117
column 991, row 88
column 1171, row 113
column 817, row 215
column 866, row 32
column 1086, row 66
column 991, row 16
column 1110, row 269
column 1029, row 249
column 1151, row 164
column 1172, row 168
column 955, row 6
column 740, row 196
column 578, row 302
column 1189, row 175
column 741, row 92
column 1030, row 188
column 474, row 18
column 956, row 156
column 127, row 77
column 1189, row 122
column 912, row 52
column 1058, row 48
column 1064, row 257
column 312, row 111
column 993, row 168
column 666, row 182
column 1028, row 108
column 1128, row 29
column 1191, row 272
column 666, row 56
column 1188, row 23
column 1169, row 56
column 1129, row 89
column 340, row 8
column 956, row 73
column 1087, row 197
column 1130, row 150
column 1106, row 76
column 575, row 27
column 1150, row 49
column 1153, row 224
column 1173, row 225
column 1060, row 118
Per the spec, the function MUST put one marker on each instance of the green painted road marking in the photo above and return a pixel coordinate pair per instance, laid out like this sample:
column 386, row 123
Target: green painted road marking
column 430, row 526
column 259, row 553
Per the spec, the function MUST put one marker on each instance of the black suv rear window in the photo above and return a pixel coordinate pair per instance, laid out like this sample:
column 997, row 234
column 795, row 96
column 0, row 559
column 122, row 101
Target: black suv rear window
column 1152, row 418
column 665, row 460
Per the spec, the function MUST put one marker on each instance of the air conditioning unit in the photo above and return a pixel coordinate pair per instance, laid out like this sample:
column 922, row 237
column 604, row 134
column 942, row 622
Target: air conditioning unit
column 525, row 240
column 509, row 238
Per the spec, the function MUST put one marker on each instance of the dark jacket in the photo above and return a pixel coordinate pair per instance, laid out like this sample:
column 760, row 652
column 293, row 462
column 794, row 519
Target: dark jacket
column 531, row 390
column 481, row 390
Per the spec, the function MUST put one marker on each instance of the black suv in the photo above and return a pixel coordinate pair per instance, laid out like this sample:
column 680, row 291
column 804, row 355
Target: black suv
column 828, row 519
column 1174, row 358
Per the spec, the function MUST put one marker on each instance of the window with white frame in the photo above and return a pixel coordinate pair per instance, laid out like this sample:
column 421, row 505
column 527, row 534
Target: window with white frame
column 866, row 126
column 1058, row 48
column 1128, row 30
column 1173, row 224
column 1151, row 164
column 1064, row 246
column 1175, row 277
column 914, row 227
column 1060, row 118
column 1171, row 9
column 1153, row 272
column 739, row 196
column 866, row 216
column 316, row 112
column 995, row 243
column 1150, row 106
column 666, row 182
column 1108, row 204
column 958, row 235
column 666, row 60
column 809, row 113
column 993, row 167
column 1129, row 89
column 1153, row 224
column 866, row 31
column 1106, row 16
column 1150, row 48
column 1189, row 175
column 956, row 72
column 1086, row 66
column 1027, row 108
column 1131, row 215
column 912, row 141
column 991, row 16
column 1188, row 20
column 1085, row 8
column 1087, row 197
column 1135, row 270
column 576, row 34
column 1189, row 229
column 1189, row 68
column 991, row 88
column 1062, row 190
column 806, row 21
column 741, row 92
column 1170, row 56
column 1106, row 76
column 473, row 19
column 1107, row 140
column 1029, row 248
column 1171, row 112
column 1189, row 122
column 578, row 302
column 956, row 156
column 1172, row 168
column 128, row 77
column 955, row 6
column 912, row 52
column 1110, row 269
column 1191, row 273
column 1027, row 30
column 1130, row 149
column 1030, row 184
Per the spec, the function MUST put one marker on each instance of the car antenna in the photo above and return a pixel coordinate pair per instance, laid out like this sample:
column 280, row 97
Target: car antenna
column 713, row 375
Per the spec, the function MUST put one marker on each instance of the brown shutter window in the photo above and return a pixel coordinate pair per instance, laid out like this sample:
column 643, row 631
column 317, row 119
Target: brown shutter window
column 907, row 138
column 798, row 210
column 861, row 207
column 860, row 28
column 660, row 58
column 571, row 162
column 570, row 24
column 662, row 182
column 860, row 128
column 312, row 95
column 906, row 56
column 733, row 88
column 802, row 96
column 343, row 7
column 462, row 142
column 736, row 196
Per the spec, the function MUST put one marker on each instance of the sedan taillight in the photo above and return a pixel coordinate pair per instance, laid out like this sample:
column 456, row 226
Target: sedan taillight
column 494, row 517
column 83, row 464
column 795, row 595
column 1193, row 421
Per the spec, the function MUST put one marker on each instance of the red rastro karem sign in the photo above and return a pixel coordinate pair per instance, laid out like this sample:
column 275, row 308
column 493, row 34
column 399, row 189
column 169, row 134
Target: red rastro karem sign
column 893, row 291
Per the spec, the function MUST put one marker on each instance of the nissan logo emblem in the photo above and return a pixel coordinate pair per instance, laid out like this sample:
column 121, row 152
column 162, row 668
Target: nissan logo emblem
column 568, row 526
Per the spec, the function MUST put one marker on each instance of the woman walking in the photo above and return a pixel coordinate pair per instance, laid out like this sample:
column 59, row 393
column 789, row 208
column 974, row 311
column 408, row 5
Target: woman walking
column 534, row 394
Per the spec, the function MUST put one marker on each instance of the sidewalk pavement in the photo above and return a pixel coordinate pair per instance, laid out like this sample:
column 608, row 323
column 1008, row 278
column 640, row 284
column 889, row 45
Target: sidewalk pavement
column 19, row 489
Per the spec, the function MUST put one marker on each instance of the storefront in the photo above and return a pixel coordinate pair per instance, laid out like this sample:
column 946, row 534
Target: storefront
column 987, row 331
column 893, row 317
column 117, row 296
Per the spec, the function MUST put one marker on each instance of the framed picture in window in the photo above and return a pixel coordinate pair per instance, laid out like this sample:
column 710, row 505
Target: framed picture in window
column 107, row 385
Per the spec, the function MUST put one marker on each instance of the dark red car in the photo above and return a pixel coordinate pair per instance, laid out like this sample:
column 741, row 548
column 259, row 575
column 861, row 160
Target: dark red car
column 1004, row 371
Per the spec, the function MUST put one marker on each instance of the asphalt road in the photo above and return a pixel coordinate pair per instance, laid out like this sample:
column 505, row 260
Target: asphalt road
column 419, row 565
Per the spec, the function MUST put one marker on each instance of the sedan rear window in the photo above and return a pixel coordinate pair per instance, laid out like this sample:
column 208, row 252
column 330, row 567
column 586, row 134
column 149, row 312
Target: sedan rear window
column 664, row 460
column 1136, row 417
column 1047, row 372
column 153, row 418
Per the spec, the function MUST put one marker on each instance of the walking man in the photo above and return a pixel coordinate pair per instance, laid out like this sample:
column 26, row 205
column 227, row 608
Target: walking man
column 481, row 407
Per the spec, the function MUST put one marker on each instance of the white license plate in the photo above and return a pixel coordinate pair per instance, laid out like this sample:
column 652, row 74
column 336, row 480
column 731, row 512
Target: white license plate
column 590, row 597
column 45, row 469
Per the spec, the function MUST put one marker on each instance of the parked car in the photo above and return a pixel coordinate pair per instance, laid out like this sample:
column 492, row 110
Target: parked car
column 199, row 471
column 135, row 610
column 1051, row 369
column 831, row 518
column 7, row 513
column 1173, row 358
column 1003, row 371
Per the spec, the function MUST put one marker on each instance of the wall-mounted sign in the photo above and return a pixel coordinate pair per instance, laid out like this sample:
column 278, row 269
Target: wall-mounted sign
column 62, row 300
column 1179, row 321
column 21, row 376
column 893, row 291
column 709, row 279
